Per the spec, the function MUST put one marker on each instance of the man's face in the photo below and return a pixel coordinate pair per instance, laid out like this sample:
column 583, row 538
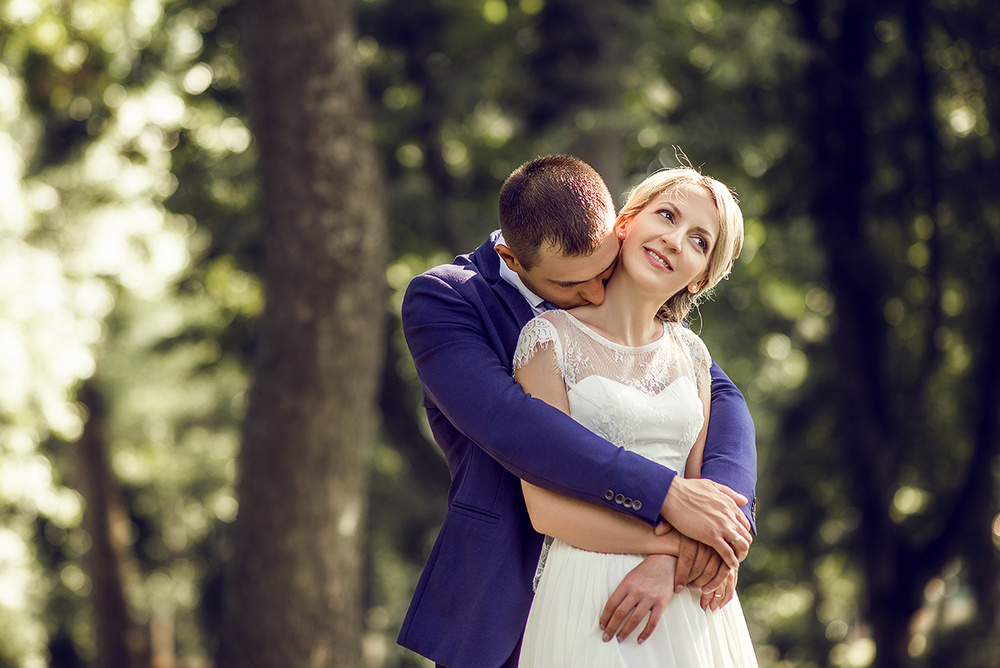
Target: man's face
column 571, row 280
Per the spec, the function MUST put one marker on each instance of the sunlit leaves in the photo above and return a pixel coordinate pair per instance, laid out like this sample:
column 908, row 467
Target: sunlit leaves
column 22, row 597
column 94, row 96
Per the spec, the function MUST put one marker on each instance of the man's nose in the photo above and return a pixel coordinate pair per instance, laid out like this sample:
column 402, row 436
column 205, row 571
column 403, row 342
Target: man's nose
column 593, row 292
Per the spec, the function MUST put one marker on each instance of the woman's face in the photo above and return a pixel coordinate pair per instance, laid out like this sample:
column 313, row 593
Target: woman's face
column 668, row 243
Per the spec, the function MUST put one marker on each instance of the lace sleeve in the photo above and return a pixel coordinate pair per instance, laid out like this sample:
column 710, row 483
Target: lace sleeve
column 539, row 334
column 701, row 360
column 703, row 368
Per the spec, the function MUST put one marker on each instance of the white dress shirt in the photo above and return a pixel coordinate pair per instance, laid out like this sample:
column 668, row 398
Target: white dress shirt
column 538, row 305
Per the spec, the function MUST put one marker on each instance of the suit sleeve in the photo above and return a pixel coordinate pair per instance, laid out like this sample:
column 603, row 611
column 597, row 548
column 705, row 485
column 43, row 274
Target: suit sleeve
column 454, row 351
column 730, row 450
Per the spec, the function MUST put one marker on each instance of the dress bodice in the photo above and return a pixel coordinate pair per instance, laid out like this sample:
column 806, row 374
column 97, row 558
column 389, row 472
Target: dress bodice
column 643, row 398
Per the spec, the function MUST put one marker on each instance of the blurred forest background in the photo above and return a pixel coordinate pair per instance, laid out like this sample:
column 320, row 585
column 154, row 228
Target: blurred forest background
column 151, row 150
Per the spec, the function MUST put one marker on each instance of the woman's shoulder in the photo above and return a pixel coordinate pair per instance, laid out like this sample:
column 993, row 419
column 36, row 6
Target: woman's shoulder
column 538, row 333
column 546, row 320
column 689, row 340
column 555, row 320
column 542, row 328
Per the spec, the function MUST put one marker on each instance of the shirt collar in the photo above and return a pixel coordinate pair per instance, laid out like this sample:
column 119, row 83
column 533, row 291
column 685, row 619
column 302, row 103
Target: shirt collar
column 509, row 275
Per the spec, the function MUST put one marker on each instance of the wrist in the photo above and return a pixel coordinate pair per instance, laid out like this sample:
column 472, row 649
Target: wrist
column 668, row 544
column 676, row 489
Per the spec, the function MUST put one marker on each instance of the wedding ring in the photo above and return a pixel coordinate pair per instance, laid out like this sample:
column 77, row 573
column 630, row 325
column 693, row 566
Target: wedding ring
column 736, row 541
column 717, row 595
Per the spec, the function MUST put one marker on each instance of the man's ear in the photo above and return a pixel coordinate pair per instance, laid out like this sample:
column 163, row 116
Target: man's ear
column 507, row 255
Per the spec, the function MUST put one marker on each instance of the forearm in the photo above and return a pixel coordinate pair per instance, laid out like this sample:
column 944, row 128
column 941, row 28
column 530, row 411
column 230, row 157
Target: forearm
column 590, row 527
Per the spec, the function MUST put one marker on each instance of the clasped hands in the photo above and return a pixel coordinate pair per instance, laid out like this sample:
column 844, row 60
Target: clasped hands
column 648, row 587
column 706, row 509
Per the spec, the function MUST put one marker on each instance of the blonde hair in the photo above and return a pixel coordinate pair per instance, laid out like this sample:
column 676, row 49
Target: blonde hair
column 727, row 247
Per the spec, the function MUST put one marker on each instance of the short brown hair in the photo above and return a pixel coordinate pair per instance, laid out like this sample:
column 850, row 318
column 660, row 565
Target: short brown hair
column 558, row 199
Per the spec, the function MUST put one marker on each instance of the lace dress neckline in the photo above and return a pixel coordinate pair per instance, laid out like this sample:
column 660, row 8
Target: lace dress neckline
column 586, row 329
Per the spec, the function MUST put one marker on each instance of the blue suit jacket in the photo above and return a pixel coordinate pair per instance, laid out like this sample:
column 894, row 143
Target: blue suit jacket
column 462, row 322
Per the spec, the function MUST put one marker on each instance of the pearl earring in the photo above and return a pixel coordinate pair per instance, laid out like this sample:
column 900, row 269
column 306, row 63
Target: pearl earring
column 693, row 289
column 621, row 235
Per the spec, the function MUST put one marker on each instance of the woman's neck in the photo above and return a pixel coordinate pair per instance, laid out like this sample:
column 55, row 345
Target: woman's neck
column 626, row 316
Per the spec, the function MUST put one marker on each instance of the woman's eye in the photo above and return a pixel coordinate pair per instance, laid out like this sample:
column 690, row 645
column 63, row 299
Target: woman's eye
column 669, row 215
column 701, row 243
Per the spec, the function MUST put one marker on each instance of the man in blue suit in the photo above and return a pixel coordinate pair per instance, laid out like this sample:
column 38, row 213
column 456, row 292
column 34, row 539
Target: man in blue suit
column 461, row 320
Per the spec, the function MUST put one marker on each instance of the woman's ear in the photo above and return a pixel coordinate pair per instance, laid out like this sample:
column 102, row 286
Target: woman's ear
column 699, row 285
column 620, row 230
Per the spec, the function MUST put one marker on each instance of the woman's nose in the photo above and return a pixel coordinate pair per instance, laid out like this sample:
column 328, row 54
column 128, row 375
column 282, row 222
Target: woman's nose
column 671, row 240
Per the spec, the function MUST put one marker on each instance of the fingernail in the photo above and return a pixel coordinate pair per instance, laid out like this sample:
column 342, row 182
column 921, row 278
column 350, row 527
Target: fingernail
column 607, row 637
column 641, row 640
column 678, row 589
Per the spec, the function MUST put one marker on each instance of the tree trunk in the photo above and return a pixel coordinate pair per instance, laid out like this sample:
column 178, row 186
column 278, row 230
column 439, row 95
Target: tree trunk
column 579, row 70
column 295, row 582
column 118, row 640
column 837, row 86
column 897, row 564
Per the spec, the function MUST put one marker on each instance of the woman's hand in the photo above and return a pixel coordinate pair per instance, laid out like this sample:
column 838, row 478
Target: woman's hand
column 647, row 589
column 713, row 599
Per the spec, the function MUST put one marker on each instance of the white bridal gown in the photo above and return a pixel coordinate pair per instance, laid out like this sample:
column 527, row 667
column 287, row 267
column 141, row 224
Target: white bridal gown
column 644, row 399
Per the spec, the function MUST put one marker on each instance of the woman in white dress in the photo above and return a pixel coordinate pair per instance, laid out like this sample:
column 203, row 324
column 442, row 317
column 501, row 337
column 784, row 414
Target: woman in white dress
column 630, row 371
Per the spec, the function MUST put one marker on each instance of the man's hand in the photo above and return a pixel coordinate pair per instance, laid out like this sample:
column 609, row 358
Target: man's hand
column 647, row 589
column 709, row 513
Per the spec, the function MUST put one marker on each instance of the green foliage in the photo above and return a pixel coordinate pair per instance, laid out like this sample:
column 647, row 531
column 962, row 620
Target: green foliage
column 105, row 108
column 130, row 249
